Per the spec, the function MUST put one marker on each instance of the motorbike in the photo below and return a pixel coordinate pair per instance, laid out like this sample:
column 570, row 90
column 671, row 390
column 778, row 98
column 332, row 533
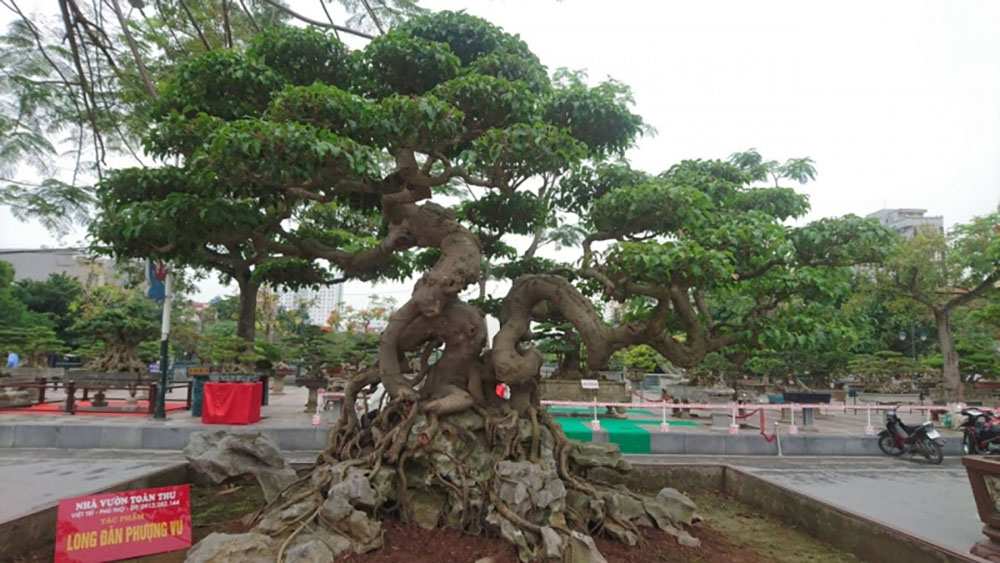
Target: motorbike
column 899, row 438
column 980, row 432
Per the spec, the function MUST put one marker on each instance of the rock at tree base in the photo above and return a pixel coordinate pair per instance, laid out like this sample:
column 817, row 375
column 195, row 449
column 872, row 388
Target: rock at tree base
column 219, row 455
column 312, row 551
column 679, row 507
column 349, row 508
column 226, row 548
column 588, row 455
column 581, row 549
column 427, row 508
column 500, row 476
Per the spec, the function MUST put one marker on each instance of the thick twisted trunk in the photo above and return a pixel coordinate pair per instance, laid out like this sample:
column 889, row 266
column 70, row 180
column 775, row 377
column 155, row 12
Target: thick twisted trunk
column 460, row 436
column 247, row 320
column 950, row 370
column 516, row 364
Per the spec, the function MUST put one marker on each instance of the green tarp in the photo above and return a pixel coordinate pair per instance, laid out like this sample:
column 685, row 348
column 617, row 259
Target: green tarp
column 630, row 437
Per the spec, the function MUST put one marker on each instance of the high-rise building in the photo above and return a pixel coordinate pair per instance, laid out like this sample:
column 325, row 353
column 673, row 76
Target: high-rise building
column 39, row 263
column 319, row 302
column 908, row 222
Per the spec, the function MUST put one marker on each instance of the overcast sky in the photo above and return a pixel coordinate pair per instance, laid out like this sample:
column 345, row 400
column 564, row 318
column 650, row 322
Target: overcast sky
column 896, row 101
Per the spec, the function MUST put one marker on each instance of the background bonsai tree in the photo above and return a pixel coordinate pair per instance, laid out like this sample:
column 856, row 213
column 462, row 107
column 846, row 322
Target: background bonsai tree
column 36, row 343
column 114, row 322
column 227, row 352
column 294, row 156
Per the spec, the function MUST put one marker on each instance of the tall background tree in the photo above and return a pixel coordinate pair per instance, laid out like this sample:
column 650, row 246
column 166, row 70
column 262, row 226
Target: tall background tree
column 944, row 274
column 294, row 156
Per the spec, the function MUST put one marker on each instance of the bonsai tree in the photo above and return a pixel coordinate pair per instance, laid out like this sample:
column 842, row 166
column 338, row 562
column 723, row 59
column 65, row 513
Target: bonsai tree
column 117, row 321
column 887, row 371
column 228, row 352
column 359, row 148
column 36, row 343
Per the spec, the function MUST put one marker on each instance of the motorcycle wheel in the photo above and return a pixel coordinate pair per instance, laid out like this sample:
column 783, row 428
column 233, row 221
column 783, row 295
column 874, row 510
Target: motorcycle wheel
column 933, row 451
column 969, row 445
column 887, row 444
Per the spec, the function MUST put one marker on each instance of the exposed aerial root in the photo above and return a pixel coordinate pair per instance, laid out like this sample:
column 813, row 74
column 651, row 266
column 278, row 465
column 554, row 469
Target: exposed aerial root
column 481, row 469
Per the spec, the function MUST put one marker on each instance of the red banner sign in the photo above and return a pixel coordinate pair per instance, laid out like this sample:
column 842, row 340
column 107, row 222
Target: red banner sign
column 123, row 525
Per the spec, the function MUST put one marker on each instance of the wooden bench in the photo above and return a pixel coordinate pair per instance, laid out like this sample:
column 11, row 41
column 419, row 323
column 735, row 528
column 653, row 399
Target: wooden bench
column 100, row 382
column 25, row 382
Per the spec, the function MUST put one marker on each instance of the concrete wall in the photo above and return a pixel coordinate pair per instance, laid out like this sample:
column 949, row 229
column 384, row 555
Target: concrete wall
column 867, row 539
column 117, row 436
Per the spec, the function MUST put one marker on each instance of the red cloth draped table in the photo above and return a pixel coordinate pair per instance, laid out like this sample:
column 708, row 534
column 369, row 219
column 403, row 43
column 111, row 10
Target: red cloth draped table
column 232, row 403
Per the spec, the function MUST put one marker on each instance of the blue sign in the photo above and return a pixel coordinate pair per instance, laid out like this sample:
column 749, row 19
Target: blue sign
column 157, row 289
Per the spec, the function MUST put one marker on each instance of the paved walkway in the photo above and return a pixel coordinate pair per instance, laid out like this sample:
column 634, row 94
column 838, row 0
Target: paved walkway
column 288, row 411
column 285, row 410
column 933, row 502
column 34, row 480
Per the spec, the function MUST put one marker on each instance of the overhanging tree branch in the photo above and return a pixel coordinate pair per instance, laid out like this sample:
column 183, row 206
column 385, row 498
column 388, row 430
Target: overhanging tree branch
column 309, row 20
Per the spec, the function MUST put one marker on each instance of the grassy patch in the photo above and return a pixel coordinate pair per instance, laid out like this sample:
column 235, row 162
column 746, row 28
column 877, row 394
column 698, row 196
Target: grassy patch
column 768, row 537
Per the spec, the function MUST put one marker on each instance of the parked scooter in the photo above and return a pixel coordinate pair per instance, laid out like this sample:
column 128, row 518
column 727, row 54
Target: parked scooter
column 898, row 438
column 980, row 432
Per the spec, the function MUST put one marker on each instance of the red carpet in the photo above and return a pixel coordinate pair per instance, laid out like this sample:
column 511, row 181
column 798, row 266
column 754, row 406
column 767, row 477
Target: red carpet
column 57, row 408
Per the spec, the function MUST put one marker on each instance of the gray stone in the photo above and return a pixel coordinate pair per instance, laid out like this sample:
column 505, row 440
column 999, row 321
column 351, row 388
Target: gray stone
column 526, row 486
column 276, row 521
column 514, row 535
column 224, row 548
column 588, row 454
column 625, row 507
column 364, row 531
column 335, row 508
column 384, row 483
column 312, row 551
column 586, row 506
column 620, row 532
column 427, row 508
column 680, row 508
column 551, row 542
column 356, row 488
column 688, row 540
column 580, row 548
column 274, row 481
column 220, row 455
column 337, row 543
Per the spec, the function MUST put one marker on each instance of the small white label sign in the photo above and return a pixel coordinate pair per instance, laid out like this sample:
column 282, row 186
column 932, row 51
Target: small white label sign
column 589, row 384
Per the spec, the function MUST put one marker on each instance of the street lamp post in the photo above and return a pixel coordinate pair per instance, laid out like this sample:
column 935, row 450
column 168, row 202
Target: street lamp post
column 160, row 409
column 913, row 340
